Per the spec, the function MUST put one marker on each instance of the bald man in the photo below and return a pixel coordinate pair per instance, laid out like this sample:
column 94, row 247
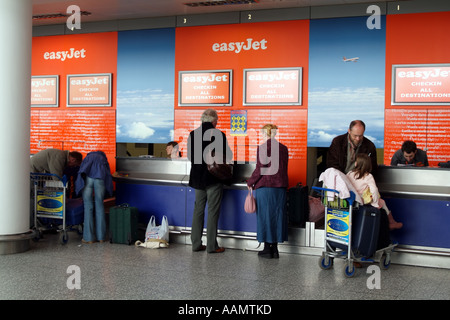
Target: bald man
column 344, row 148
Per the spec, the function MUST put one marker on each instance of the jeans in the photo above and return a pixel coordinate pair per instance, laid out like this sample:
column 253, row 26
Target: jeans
column 93, row 196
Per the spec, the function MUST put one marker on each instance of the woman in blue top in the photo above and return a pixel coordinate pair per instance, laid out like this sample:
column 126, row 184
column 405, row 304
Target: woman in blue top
column 94, row 180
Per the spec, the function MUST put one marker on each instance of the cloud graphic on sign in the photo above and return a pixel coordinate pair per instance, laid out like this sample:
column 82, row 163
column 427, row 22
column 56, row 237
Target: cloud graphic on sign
column 330, row 111
column 320, row 136
column 136, row 130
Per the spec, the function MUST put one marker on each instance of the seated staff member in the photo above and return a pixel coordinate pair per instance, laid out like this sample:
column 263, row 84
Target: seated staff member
column 409, row 155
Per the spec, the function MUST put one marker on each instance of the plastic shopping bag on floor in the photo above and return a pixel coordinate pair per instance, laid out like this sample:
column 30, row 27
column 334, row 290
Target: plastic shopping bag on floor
column 152, row 244
column 155, row 232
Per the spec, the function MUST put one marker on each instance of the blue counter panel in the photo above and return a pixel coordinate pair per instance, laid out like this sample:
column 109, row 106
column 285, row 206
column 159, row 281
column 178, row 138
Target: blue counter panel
column 232, row 214
column 157, row 200
column 177, row 203
column 425, row 222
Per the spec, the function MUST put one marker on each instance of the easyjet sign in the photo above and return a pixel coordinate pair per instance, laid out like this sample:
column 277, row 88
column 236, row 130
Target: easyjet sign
column 63, row 55
column 239, row 46
column 427, row 84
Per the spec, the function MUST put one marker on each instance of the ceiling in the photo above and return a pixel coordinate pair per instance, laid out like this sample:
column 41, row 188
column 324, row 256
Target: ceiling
column 103, row 10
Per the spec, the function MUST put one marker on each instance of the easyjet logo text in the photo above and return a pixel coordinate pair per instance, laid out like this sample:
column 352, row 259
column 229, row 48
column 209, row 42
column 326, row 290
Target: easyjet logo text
column 89, row 81
column 238, row 47
column 63, row 55
column 273, row 76
column 205, row 78
column 437, row 72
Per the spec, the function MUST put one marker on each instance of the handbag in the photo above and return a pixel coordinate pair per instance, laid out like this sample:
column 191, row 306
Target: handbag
column 250, row 202
column 157, row 233
column 316, row 209
column 222, row 171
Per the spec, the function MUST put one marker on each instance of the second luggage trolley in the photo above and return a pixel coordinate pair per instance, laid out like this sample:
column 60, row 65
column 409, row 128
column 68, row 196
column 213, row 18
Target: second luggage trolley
column 338, row 241
column 49, row 205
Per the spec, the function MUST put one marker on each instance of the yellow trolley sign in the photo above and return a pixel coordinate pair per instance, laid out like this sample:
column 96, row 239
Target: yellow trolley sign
column 338, row 225
column 50, row 203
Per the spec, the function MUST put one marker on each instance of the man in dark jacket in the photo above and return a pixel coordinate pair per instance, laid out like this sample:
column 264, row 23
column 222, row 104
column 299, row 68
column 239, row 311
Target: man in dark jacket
column 208, row 188
column 344, row 148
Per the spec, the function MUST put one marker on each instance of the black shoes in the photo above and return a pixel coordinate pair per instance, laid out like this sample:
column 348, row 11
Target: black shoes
column 270, row 251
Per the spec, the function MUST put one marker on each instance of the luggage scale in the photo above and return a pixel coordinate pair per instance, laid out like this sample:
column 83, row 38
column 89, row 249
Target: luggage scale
column 338, row 235
column 48, row 195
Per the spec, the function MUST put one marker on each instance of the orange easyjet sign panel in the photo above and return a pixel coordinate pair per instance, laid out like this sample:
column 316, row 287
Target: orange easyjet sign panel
column 45, row 91
column 205, row 88
column 427, row 84
column 274, row 86
column 89, row 90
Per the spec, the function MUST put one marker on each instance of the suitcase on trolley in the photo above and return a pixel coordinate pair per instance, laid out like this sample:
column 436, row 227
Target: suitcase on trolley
column 123, row 224
column 74, row 211
column 384, row 237
column 298, row 206
column 365, row 230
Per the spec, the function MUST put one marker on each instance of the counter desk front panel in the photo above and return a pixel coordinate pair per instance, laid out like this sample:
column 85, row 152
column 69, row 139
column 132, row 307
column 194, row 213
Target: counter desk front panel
column 160, row 187
column 426, row 223
column 177, row 203
column 419, row 197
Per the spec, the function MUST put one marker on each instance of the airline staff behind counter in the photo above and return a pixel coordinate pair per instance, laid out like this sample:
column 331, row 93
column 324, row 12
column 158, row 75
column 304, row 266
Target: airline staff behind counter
column 409, row 154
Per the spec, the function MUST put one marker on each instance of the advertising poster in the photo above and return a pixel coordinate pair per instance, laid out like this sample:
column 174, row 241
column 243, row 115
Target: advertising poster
column 338, row 225
column 145, row 86
column 346, row 79
column 50, row 203
column 238, row 123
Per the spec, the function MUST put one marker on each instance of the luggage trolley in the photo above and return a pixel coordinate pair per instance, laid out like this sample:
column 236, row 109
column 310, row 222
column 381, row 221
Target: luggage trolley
column 338, row 235
column 48, row 193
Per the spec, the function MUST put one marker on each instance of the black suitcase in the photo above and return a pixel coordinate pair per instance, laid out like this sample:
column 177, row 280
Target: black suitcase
column 365, row 230
column 298, row 206
column 384, row 237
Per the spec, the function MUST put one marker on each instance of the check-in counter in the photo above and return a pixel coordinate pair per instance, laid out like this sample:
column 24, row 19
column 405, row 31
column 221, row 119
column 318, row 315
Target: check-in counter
column 160, row 187
column 419, row 197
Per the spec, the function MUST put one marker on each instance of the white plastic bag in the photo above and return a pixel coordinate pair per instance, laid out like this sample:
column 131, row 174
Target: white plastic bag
column 160, row 232
column 152, row 244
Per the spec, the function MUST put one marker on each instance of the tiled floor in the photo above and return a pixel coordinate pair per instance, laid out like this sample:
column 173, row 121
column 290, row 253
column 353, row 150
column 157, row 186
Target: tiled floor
column 113, row 271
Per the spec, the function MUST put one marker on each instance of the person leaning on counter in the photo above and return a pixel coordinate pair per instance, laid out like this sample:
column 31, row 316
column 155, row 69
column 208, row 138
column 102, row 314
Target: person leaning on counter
column 409, row 154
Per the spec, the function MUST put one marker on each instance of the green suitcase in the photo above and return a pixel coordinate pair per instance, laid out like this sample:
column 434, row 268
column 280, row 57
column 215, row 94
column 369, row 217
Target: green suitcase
column 123, row 224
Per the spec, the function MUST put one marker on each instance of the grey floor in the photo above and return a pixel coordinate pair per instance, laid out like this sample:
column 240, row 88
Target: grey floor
column 113, row 271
